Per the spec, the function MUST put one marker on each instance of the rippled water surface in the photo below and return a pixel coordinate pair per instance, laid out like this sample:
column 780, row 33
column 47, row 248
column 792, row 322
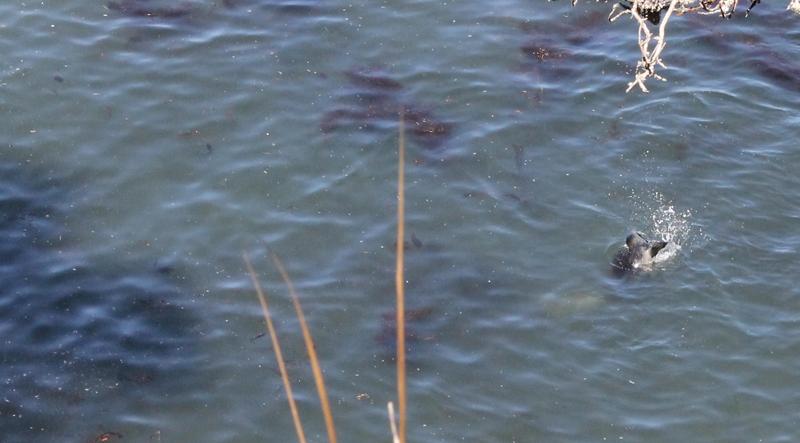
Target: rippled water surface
column 145, row 144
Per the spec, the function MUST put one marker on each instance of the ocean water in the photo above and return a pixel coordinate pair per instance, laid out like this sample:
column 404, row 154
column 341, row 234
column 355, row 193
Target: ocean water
column 141, row 155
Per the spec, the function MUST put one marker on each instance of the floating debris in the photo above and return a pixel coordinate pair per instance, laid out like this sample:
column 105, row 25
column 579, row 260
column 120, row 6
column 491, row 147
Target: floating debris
column 106, row 437
column 541, row 53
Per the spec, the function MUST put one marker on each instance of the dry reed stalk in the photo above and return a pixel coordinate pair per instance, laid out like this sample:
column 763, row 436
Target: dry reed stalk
column 277, row 348
column 401, row 327
column 392, row 425
column 312, row 353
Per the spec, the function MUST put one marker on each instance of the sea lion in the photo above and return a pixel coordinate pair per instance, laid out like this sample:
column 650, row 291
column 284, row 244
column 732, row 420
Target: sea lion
column 640, row 252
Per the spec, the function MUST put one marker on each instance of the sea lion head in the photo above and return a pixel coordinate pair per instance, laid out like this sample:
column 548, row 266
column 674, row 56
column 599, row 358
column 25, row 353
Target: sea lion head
column 640, row 252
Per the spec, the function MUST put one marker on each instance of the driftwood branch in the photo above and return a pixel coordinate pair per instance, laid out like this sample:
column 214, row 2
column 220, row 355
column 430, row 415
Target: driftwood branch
column 650, row 59
column 652, row 45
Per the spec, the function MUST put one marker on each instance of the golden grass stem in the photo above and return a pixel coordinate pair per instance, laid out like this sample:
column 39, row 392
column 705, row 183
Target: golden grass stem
column 312, row 353
column 395, row 438
column 277, row 348
column 401, row 326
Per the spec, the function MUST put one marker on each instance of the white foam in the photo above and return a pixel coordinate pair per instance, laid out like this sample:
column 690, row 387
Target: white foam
column 656, row 216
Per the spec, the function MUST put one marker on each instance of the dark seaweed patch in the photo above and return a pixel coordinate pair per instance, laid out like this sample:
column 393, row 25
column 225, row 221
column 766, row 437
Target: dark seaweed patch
column 417, row 242
column 387, row 336
column 138, row 8
column 406, row 246
column 519, row 156
column 377, row 104
column 70, row 322
column 372, row 78
column 540, row 52
column 303, row 8
column 781, row 71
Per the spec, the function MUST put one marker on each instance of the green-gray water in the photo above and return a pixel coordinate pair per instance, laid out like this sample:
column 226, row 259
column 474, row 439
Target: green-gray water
column 140, row 156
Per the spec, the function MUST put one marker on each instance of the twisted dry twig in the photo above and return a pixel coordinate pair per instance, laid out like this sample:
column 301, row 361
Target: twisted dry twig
column 650, row 59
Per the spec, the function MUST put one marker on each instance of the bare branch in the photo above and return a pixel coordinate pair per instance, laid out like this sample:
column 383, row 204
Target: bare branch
column 646, row 67
column 650, row 10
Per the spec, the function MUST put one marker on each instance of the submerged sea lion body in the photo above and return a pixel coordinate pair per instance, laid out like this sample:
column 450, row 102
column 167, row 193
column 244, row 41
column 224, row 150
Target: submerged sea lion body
column 640, row 252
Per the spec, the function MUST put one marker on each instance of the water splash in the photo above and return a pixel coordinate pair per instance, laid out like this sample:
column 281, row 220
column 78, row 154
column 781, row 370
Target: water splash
column 657, row 218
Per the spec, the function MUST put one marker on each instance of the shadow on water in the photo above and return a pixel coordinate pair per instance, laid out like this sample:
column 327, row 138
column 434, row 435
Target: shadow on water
column 75, row 341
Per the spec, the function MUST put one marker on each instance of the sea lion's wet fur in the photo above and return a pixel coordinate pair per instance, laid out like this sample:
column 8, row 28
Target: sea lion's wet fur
column 639, row 253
